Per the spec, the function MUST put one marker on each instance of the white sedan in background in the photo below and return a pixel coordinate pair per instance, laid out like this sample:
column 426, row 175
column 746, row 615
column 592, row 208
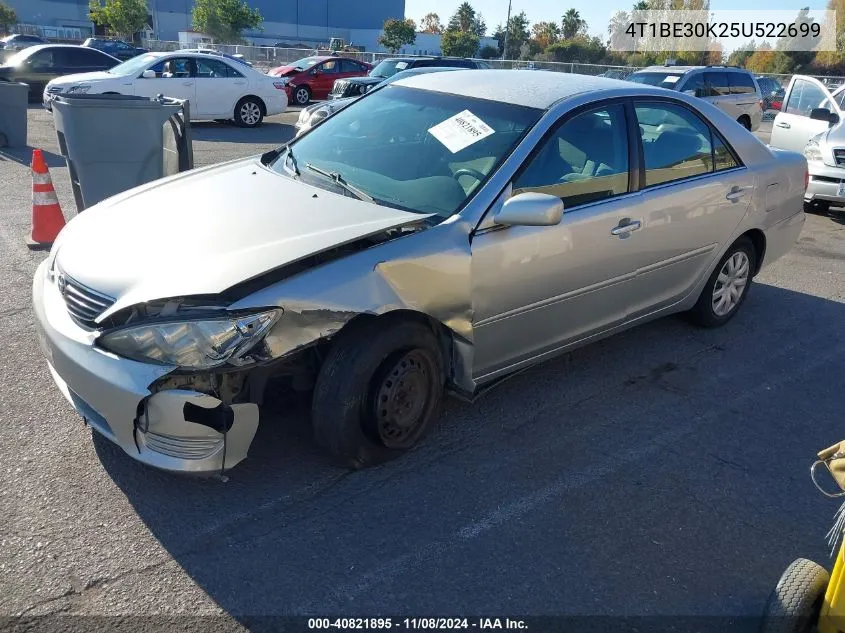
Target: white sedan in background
column 216, row 87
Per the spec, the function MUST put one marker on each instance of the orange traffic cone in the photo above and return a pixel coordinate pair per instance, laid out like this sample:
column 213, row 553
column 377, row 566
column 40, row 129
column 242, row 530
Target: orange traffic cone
column 47, row 217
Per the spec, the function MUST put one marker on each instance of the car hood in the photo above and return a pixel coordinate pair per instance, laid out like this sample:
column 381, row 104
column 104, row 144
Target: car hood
column 202, row 232
column 66, row 80
column 285, row 71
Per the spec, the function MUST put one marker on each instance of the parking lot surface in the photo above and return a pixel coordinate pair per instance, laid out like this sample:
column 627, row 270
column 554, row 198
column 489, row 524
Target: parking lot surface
column 663, row 472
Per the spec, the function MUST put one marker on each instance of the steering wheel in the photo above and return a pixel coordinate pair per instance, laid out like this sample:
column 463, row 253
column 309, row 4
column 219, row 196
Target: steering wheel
column 469, row 171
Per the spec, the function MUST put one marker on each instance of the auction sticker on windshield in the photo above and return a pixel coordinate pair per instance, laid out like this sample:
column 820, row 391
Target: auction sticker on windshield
column 460, row 131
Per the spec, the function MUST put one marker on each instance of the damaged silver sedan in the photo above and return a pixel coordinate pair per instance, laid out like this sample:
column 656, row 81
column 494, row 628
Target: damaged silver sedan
column 436, row 235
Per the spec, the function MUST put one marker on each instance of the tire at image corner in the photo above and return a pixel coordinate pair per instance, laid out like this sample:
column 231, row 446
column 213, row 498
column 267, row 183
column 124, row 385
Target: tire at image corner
column 795, row 603
column 343, row 411
column 702, row 313
column 238, row 115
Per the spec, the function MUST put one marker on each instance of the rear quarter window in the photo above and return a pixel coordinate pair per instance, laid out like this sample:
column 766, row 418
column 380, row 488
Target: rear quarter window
column 741, row 83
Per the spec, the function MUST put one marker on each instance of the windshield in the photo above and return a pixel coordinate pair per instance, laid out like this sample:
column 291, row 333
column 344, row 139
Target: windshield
column 388, row 68
column 416, row 150
column 18, row 57
column 134, row 65
column 304, row 63
column 661, row 80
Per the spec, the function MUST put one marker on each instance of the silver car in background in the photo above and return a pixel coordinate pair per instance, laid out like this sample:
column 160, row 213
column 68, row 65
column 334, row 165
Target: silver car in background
column 438, row 235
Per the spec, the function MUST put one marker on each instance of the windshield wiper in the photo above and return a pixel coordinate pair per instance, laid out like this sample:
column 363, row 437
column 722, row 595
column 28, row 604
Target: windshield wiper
column 338, row 180
column 290, row 157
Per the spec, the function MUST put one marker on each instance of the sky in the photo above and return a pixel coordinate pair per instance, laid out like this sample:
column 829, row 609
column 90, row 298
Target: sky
column 596, row 12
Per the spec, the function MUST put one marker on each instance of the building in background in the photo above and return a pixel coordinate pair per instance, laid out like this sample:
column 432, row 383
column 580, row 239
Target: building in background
column 309, row 22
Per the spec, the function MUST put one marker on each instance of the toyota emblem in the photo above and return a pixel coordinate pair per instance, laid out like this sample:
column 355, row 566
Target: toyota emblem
column 61, row 282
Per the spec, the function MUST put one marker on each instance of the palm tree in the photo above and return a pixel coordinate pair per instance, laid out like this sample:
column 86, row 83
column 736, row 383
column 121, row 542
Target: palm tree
column 571, row 24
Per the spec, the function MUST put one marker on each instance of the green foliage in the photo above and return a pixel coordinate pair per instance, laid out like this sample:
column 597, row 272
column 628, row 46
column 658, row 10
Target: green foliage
column 740, row 58
column 581, row 50
column 431, row 23
column 120, row 17
column 8, row 17
column 489, row 52
column 517, row 35
column 225, row 20
column 459, row 43
column 398, row 33
column 467, row 20
column 572, row 24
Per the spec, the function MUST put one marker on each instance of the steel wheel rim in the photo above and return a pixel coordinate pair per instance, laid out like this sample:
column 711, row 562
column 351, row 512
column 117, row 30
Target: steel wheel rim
column 401, row 399
column 302, row 96
column 250, row 113
column 731, row 283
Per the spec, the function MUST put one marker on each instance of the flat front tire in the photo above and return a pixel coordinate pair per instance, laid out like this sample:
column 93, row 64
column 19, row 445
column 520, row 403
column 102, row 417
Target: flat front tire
column 727, row 288
column 378, row 391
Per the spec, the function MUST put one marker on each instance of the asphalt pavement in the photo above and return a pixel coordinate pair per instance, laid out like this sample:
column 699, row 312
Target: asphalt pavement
column 662, row 472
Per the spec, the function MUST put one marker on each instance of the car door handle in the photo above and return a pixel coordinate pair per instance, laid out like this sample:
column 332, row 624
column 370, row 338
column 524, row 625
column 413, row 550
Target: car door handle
column 786, row 126
column 187, row 83
column 735, row 194
column 626, row 227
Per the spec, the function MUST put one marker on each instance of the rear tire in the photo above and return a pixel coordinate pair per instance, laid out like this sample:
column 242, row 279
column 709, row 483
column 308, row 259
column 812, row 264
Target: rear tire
column 745, row 121
column 249, row 112
column 795, row 603
column 817, row 206
column 378, row 390
column 727, row 288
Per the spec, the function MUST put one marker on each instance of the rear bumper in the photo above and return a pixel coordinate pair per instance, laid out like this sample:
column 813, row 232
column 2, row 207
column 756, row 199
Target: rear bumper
column 824, row 183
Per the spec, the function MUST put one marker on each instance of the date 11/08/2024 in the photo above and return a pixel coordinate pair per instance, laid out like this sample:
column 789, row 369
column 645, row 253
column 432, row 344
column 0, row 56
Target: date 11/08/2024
column 431, row 624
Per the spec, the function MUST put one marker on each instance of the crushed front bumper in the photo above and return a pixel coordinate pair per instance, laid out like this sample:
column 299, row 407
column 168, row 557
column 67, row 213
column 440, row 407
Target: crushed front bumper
column 825, row 183
column 176, row 430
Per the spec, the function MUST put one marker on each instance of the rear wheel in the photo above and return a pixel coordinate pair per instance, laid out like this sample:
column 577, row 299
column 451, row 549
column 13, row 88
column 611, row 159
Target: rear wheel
column 745, row 121
column 249, row 112
column 795, row 603
column 816, row 206
column 727, row 288
column 378, row 391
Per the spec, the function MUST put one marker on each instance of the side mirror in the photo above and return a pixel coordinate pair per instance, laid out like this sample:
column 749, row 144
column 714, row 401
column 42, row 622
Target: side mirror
column 149, row 74
column 823, row 114
column 530, row 209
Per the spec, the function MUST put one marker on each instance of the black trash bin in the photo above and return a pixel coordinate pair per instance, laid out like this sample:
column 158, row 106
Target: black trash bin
column 113, row 143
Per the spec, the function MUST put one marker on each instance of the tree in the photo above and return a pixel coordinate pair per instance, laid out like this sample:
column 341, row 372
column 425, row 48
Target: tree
column 489, row 52
column 121, row 17
column 762, row 60
column 642, row 5
column 517, row 35
column 225, row 20
column 8, row 17
column 467, row 20
column 398, row 33
column 431, row 23
column 572, row 24
column 459, row 43
column 740, row 57
column 545, row 34
column 580, row 49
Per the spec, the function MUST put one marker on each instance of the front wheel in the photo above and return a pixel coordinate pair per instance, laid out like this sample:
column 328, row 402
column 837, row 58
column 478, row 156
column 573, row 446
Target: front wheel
column 378, row 391
column 248, row 112
column 301, row 95
column 817, row 206
column 727, row 288
column 795, row 603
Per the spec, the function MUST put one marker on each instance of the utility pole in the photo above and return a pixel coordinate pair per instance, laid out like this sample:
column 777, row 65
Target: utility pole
column 507, row 28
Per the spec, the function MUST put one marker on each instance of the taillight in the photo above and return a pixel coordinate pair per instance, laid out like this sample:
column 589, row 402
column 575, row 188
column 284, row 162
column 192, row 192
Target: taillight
column 806, row 179
column 760, row 103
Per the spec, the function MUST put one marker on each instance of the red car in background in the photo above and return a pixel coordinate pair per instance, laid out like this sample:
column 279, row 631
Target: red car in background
column 313, row 77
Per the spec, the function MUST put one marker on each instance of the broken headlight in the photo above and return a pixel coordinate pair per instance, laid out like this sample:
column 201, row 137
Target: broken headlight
column 193, row 344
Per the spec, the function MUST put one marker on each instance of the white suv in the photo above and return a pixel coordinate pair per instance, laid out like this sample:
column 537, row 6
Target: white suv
column 731, row 89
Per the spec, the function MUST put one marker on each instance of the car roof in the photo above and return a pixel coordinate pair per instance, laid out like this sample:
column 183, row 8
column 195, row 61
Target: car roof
column 686, row 69
column 518, row 87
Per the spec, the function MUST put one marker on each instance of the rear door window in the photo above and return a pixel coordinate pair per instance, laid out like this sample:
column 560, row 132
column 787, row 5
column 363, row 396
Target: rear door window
column 718, row 84
column 804, row 97
column 741, row 83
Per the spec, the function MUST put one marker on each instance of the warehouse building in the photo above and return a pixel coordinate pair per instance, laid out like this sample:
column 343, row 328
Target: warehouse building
column 309, row 22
